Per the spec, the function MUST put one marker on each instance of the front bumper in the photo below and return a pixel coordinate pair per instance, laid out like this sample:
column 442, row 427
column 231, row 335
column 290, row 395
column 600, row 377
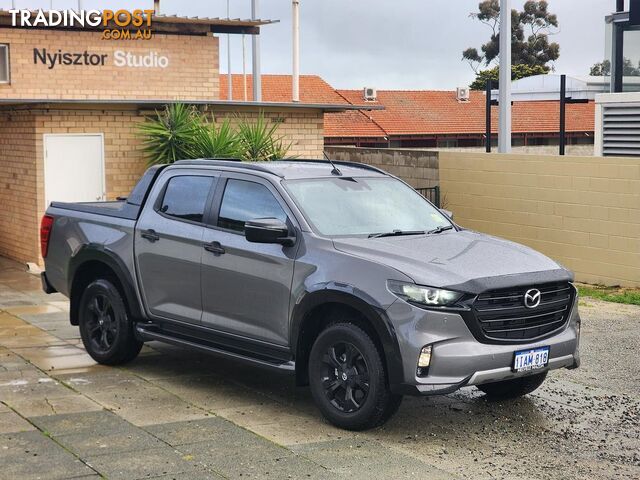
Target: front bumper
column 458, row 359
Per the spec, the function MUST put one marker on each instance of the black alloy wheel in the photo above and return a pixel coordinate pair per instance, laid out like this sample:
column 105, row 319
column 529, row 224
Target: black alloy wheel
column 348, row 378
column 102, row 326
column 345, row 377
column 105, row 327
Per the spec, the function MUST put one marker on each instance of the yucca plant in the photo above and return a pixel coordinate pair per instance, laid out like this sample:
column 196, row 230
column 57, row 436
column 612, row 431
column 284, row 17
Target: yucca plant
column 169, row 136
column 212, row 141
column 259, row 141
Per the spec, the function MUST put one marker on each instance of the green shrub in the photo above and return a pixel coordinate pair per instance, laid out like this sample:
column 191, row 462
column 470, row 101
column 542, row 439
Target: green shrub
column 211, row 141
column 259, row 141
column 169, row 136
column 180, row 131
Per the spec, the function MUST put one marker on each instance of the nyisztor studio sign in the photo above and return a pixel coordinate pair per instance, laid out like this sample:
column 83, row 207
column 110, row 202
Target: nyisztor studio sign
column 121, row 58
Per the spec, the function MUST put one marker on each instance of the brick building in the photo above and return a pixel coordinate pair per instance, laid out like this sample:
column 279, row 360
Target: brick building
column 438, row 119
column 71, row 101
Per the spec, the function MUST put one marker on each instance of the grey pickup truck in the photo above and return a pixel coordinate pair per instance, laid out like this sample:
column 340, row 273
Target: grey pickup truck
column 338, row 273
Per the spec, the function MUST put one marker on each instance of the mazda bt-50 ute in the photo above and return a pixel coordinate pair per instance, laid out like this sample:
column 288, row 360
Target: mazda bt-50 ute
column 338, row 273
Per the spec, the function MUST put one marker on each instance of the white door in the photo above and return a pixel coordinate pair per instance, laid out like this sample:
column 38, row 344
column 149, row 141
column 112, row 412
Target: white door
column 73, row 168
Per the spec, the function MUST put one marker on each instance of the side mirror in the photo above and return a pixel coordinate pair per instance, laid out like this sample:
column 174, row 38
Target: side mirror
column 268, row 230
column 448, row 213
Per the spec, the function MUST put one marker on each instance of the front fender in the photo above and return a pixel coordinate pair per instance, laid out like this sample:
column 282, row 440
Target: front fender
column 344, row 294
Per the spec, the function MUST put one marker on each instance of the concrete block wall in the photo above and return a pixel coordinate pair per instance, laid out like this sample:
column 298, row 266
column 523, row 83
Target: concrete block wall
column 419, row 168
column 581, row 211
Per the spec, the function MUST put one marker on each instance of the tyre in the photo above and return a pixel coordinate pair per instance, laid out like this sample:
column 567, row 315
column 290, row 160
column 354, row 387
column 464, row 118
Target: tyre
column 348, row 379
column 106, row 330
column 514, row 388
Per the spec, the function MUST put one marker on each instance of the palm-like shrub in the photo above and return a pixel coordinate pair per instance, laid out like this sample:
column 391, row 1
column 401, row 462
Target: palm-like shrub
column 259, row 141
column 169, row 136
column 180, row 131
column 212, row 141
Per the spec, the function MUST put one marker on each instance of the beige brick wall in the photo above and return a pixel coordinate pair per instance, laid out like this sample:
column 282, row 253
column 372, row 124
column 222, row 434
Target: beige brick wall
column 582, row 211
column 19, row 222
column 302, row 128
column 22, row 157
column 192, row 72
column 419, row 168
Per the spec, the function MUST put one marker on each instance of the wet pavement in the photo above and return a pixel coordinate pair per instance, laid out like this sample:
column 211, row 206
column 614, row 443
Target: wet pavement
column 172, row 413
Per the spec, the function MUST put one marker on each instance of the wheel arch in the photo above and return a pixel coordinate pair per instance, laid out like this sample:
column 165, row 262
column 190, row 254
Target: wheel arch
column 308, row 320
column 93, row 262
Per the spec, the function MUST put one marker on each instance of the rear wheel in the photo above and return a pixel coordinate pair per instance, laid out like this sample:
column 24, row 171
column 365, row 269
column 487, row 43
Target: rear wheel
column 348, row 379
column 105, row 327
column 514, row 388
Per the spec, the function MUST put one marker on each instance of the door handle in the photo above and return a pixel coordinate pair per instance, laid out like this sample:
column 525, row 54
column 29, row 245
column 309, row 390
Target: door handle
column 150, row 235
column 214, row 247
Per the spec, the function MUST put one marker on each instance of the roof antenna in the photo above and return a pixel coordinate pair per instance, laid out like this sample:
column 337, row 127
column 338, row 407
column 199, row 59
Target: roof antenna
column 336, row 170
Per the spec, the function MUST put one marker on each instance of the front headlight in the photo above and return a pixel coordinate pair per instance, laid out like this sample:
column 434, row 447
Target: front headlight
column 428, row 296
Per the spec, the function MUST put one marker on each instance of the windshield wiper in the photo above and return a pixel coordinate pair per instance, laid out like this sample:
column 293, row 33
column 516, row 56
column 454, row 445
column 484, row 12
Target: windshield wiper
column 440, row 229
column 397, row 233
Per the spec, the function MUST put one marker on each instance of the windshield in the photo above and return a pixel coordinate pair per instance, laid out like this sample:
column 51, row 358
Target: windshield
column 363, row 206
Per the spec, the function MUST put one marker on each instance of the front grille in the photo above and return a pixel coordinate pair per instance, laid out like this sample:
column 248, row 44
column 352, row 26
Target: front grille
column 503, row 316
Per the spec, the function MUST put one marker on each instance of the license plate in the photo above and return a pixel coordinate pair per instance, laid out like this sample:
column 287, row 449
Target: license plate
column 527, row 360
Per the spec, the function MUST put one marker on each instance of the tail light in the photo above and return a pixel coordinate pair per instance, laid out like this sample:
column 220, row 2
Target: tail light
column 45, row 232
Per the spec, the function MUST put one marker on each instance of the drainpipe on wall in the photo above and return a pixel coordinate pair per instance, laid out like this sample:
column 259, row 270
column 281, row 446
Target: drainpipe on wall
column 255, row 42
column 296, row 50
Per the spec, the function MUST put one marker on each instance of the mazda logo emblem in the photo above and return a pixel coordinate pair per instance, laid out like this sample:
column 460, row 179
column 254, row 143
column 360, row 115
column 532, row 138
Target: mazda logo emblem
column 532, row 298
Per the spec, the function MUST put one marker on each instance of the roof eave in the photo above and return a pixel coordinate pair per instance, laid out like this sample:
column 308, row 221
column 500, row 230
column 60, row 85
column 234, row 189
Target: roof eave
column 326, row 107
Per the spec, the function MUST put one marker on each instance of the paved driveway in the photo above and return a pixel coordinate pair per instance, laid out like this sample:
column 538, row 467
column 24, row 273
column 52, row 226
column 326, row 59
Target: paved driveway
column 176, row 414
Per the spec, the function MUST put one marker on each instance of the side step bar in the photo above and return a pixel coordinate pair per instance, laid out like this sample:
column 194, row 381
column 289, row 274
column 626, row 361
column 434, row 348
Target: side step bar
column 148, row 335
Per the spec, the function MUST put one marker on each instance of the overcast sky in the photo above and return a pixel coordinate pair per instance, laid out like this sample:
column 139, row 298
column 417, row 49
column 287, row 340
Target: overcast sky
column 390, row 44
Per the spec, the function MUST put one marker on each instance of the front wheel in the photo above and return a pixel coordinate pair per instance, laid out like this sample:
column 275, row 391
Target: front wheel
column 348, row 379
column 514, row 388
column 105, row 327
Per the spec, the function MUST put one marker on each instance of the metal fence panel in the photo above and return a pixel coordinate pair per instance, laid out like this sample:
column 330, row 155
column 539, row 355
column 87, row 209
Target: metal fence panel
column 431, row 193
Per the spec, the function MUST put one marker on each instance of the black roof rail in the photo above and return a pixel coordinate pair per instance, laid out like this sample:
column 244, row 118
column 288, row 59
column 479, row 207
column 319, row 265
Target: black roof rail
column 339, row 162
column 228, row 162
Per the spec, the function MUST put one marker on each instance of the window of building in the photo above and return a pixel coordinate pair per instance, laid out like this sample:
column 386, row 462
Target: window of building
column 186, row 197
column 244, row 201
column 4, row 63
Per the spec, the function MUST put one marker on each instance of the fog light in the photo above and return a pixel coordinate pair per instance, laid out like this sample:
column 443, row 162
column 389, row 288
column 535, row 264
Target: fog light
column 424, row 360
column 425, row 357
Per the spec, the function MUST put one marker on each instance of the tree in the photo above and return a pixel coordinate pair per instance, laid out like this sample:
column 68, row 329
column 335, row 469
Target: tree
column 603, row 69
column 517, row 72
column 530, row 45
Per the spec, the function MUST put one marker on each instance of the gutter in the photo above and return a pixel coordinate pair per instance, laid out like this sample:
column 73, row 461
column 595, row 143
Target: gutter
column 327, row 107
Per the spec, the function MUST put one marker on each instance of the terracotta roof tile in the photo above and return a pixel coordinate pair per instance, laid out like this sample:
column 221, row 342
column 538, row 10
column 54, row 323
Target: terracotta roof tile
column 439, row 113
column 277, row 88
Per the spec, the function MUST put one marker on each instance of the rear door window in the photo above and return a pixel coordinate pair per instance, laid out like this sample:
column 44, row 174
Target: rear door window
column 244, row 200
column 186, row 197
